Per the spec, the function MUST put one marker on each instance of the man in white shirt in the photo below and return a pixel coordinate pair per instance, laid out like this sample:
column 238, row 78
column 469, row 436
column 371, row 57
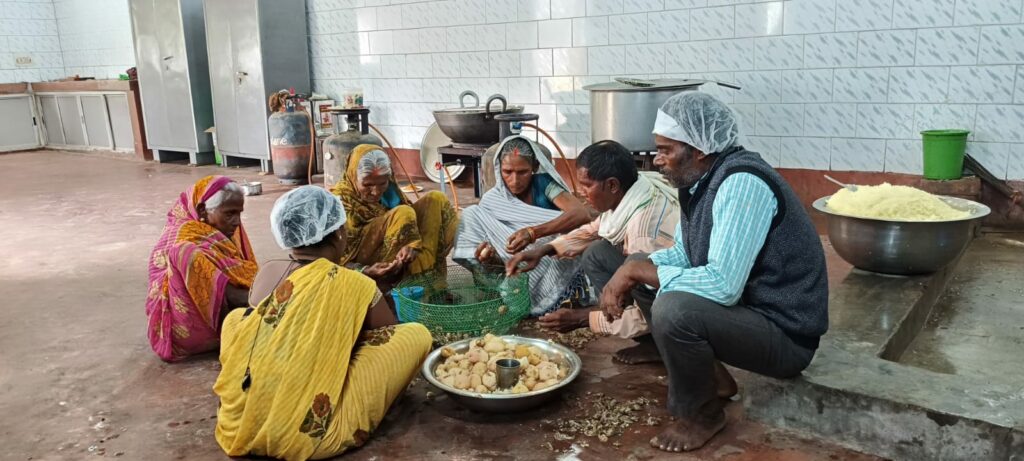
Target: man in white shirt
column 639, row 213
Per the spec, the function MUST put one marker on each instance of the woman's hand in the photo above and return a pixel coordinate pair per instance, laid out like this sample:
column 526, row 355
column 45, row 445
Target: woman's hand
column 379, row 271
column 519, row 240
column 406, row 255
column 486, row 253
column 527, row 260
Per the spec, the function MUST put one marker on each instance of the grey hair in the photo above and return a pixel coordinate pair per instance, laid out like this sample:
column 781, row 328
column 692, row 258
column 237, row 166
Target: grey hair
column 374, row 161
column 217, row 199
column 520, row 147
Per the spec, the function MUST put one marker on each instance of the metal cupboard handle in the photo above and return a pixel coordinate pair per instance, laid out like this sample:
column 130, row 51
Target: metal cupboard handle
column 168, row 58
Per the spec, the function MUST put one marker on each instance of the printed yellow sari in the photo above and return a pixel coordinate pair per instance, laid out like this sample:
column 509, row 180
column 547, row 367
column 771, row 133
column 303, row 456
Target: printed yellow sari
column 378, row 230
column 299, row 380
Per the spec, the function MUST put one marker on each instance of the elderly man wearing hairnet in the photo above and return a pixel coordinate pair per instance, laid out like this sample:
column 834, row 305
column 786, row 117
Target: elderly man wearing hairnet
column 744, row 284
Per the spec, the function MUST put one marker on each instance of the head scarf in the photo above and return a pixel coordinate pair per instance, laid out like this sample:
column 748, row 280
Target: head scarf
column 360, row 211
column 185, row 211
column 514, row 211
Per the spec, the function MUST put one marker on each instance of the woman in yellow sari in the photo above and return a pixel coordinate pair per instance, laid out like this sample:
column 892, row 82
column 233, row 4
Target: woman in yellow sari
column 386, row 232
column 310, row 371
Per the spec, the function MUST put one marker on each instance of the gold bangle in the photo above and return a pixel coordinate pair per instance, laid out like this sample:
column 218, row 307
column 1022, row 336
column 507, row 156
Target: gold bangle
column 533, row 235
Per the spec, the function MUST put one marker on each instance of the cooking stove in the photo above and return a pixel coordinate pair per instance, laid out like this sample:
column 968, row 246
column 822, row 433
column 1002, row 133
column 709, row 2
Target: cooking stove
column 462, row 154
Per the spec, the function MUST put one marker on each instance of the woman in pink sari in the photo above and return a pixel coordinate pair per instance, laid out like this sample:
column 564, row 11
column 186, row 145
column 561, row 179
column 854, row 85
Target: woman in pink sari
column 202, row 267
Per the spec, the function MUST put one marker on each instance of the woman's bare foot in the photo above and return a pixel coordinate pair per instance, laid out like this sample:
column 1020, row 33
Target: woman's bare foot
column 645, row 352
column 725, row 385
column 565, row 320
column 687, row 435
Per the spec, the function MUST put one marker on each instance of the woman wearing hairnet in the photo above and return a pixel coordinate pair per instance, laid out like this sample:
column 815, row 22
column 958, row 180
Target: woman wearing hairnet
column 745, row 283
column 310, row 371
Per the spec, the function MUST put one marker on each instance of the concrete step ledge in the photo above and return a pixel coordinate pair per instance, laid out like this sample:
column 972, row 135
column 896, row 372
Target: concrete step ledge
column 894, row 411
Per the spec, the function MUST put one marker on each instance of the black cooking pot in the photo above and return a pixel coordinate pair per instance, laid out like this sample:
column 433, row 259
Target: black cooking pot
column 476, row 124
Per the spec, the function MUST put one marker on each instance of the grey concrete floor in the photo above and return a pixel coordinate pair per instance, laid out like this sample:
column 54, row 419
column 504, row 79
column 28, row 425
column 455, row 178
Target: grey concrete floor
column 978, row 326
column 78, row 379
column 922, row 367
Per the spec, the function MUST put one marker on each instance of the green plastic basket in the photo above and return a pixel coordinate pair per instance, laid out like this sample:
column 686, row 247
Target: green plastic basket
column 464, row 302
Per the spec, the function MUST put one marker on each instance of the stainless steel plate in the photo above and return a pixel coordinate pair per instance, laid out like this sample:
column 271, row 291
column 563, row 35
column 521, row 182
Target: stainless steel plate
column 506, row 403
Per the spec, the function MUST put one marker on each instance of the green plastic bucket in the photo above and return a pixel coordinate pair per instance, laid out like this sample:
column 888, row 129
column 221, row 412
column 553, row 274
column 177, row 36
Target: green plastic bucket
column 944, row 153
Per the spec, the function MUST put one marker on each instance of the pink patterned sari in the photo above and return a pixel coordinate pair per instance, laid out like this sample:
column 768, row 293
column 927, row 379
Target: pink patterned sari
column 189, row 270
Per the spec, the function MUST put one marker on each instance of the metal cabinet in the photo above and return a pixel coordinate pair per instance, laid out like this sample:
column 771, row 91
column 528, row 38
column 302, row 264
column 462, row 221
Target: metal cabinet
column 174, row 77
column 256, row 47
column 86, row 120
column 17, row 123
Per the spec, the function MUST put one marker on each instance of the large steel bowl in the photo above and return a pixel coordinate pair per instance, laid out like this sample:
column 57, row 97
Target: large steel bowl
column 476, row 124
column 902, row 247
column 506, row 403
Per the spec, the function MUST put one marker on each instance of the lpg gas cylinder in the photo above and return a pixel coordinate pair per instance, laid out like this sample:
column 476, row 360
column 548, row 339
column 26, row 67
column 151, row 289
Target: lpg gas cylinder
column 339, row 145
column 290, row 140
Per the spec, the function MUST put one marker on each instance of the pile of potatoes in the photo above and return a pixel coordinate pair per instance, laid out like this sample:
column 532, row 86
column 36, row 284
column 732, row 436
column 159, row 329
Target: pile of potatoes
column 474, row 370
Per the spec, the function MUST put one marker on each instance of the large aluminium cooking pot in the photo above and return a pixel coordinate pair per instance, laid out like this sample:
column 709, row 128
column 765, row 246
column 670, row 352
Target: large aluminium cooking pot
column 473, row 125
column 625, row 110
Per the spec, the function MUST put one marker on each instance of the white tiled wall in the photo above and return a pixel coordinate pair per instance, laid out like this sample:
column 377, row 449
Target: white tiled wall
column 91, row 38
column 28, row 30
column 827, row 84
column 95, row 37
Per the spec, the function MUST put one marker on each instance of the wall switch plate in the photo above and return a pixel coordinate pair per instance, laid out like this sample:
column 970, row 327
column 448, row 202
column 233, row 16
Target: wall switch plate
column 23, row 60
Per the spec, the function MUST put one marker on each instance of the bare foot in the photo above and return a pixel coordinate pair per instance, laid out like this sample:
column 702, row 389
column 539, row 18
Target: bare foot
column 645, row 352
column 565, row 320
column 687, row 435
column 725, row 385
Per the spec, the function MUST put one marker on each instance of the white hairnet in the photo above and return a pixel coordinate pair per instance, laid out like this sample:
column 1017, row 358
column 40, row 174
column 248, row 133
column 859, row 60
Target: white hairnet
column 373, row 161
column 698, row 119
column 304, row 216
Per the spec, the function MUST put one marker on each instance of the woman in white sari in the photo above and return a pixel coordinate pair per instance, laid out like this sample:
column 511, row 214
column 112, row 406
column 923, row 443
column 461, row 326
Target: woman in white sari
column 530, row 205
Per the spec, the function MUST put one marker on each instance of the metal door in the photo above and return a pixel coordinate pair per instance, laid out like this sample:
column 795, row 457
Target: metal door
column 51, row 120
column 17, row 123
column 97, row 125
column 72, row 121
column 222, row 74
column 177, row 96
column 148, row 30
column 250, row 97
column 120, row 121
